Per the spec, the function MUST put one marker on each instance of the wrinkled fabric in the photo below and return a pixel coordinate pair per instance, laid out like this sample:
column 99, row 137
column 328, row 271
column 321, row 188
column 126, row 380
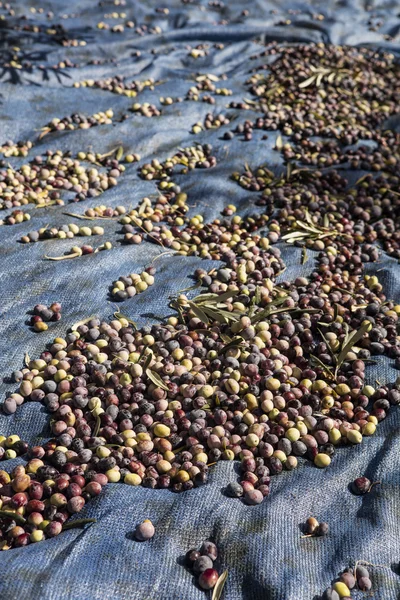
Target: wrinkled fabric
column 261, row 546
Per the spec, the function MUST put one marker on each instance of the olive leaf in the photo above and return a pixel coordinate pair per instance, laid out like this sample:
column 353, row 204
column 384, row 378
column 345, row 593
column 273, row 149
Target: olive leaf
column 75, row 326
column 119, row 153
column 118, row 315
column 77, row 523
column 225, row 338
column 45, row 131
column 11, row 515
column 205, row 332
column 156, row 379
column 268, row 310
column 176, row 306
column 289, row 170
column 350, row 341
column 307, row 82
column 304, row 255
column 149, row 358
column 326, row 368
column 97, row 427
column 235, row 343
column 217, row 298
column 27, row 359
column 65, row 257
column 192, row 287
column 307, row 230
column 219, row 586
column 214, row 314
column 200, row 314
column 279, row 143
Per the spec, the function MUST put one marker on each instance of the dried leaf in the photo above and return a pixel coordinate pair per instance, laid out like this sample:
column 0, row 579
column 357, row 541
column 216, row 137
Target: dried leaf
column 192, row 287
column 331, row 77
column 307, row 82
column 279, row 143
column 27, row 359
column 76, row 216
column 362, row 179
column 120, row 153
column 65, row 257
column 75, row 326
column 45, row 131
column 156, row 379
column 219, row 586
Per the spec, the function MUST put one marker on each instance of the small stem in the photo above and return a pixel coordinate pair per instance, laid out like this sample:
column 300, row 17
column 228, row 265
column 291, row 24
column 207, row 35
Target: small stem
column 372, row 485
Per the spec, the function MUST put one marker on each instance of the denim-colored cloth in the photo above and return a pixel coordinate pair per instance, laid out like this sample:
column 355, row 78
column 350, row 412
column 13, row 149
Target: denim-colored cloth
column 260, row 546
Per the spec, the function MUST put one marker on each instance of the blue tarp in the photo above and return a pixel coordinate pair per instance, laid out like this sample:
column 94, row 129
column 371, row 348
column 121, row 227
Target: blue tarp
column 260, row 546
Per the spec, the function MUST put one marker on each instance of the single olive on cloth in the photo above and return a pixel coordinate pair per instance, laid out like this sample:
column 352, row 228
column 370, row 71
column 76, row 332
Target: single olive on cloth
column 145, row 531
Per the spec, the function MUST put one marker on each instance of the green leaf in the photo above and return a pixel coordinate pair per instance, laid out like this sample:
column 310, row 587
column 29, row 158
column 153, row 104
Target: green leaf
column 156, row 379
column 225, row 338
column 217, row 298
column 236, row 342
column 77, row 523
column 219, row 586
column 148, row 360
column 214, row 314
column 289, row 170
column 351, row 341
column 328, row 372
column 120, row 153
column 118, row 315
column 304, row 255
column 97, row 427
column 268, row 310
column 226, row 295
column 200, row 314
column 11, row 515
